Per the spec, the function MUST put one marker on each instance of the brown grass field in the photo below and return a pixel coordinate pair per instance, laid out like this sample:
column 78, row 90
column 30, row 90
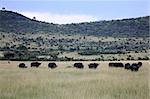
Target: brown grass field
column 72, row 83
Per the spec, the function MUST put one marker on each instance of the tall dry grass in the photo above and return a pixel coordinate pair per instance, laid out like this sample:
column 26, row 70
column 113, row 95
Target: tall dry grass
column 71, row 83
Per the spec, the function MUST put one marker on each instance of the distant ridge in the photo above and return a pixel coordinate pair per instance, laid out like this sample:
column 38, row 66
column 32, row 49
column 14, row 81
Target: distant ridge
column 133, row 27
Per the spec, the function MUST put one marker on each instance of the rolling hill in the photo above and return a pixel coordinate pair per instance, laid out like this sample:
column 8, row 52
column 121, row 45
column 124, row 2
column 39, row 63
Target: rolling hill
column 134, row 27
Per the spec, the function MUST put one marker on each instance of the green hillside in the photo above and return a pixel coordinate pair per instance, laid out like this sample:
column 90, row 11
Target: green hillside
column 17, row 23
column 133, row 27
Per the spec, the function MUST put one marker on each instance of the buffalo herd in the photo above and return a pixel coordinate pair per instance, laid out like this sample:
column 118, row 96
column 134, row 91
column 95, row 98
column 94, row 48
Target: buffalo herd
column 127, row 66
column 52, row 65
column 133, row 67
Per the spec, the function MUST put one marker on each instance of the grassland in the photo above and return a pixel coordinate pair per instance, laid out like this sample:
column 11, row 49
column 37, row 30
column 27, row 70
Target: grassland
column 71, row 83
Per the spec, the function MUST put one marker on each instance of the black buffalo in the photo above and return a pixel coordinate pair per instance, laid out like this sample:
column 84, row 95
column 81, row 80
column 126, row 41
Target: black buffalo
column 134, row 67
column 78, row 65
column 116, row 65
column 52, row 65
column 127, row 66
column 93, row 65
column 35, row 64
column 22, row 65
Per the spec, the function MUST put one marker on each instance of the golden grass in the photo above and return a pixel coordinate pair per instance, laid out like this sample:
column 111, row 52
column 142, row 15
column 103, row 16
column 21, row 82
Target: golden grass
column 71, row 83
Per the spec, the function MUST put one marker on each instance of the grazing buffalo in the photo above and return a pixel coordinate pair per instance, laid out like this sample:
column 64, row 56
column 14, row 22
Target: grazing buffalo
column 52, row 65
column 127, row 66
column 116, row 65
column 134, row 67
column 22, row 65
column 35, row 64
column 78, row 65
column 93, row 65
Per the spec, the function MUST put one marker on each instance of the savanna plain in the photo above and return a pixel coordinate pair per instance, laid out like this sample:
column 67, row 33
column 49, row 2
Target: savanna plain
column 66, row 82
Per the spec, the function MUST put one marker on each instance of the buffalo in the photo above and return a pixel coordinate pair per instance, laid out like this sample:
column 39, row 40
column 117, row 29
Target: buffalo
column 93, row 65
column 134, row 67
column 35, row 64
column 116, row 65
column 22, row 65
column 127, row 66
column 78, row 65
column 52, row 65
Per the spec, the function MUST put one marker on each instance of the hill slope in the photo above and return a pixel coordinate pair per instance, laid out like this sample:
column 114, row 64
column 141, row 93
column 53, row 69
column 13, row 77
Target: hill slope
column 133, row 27
column 16, row 23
